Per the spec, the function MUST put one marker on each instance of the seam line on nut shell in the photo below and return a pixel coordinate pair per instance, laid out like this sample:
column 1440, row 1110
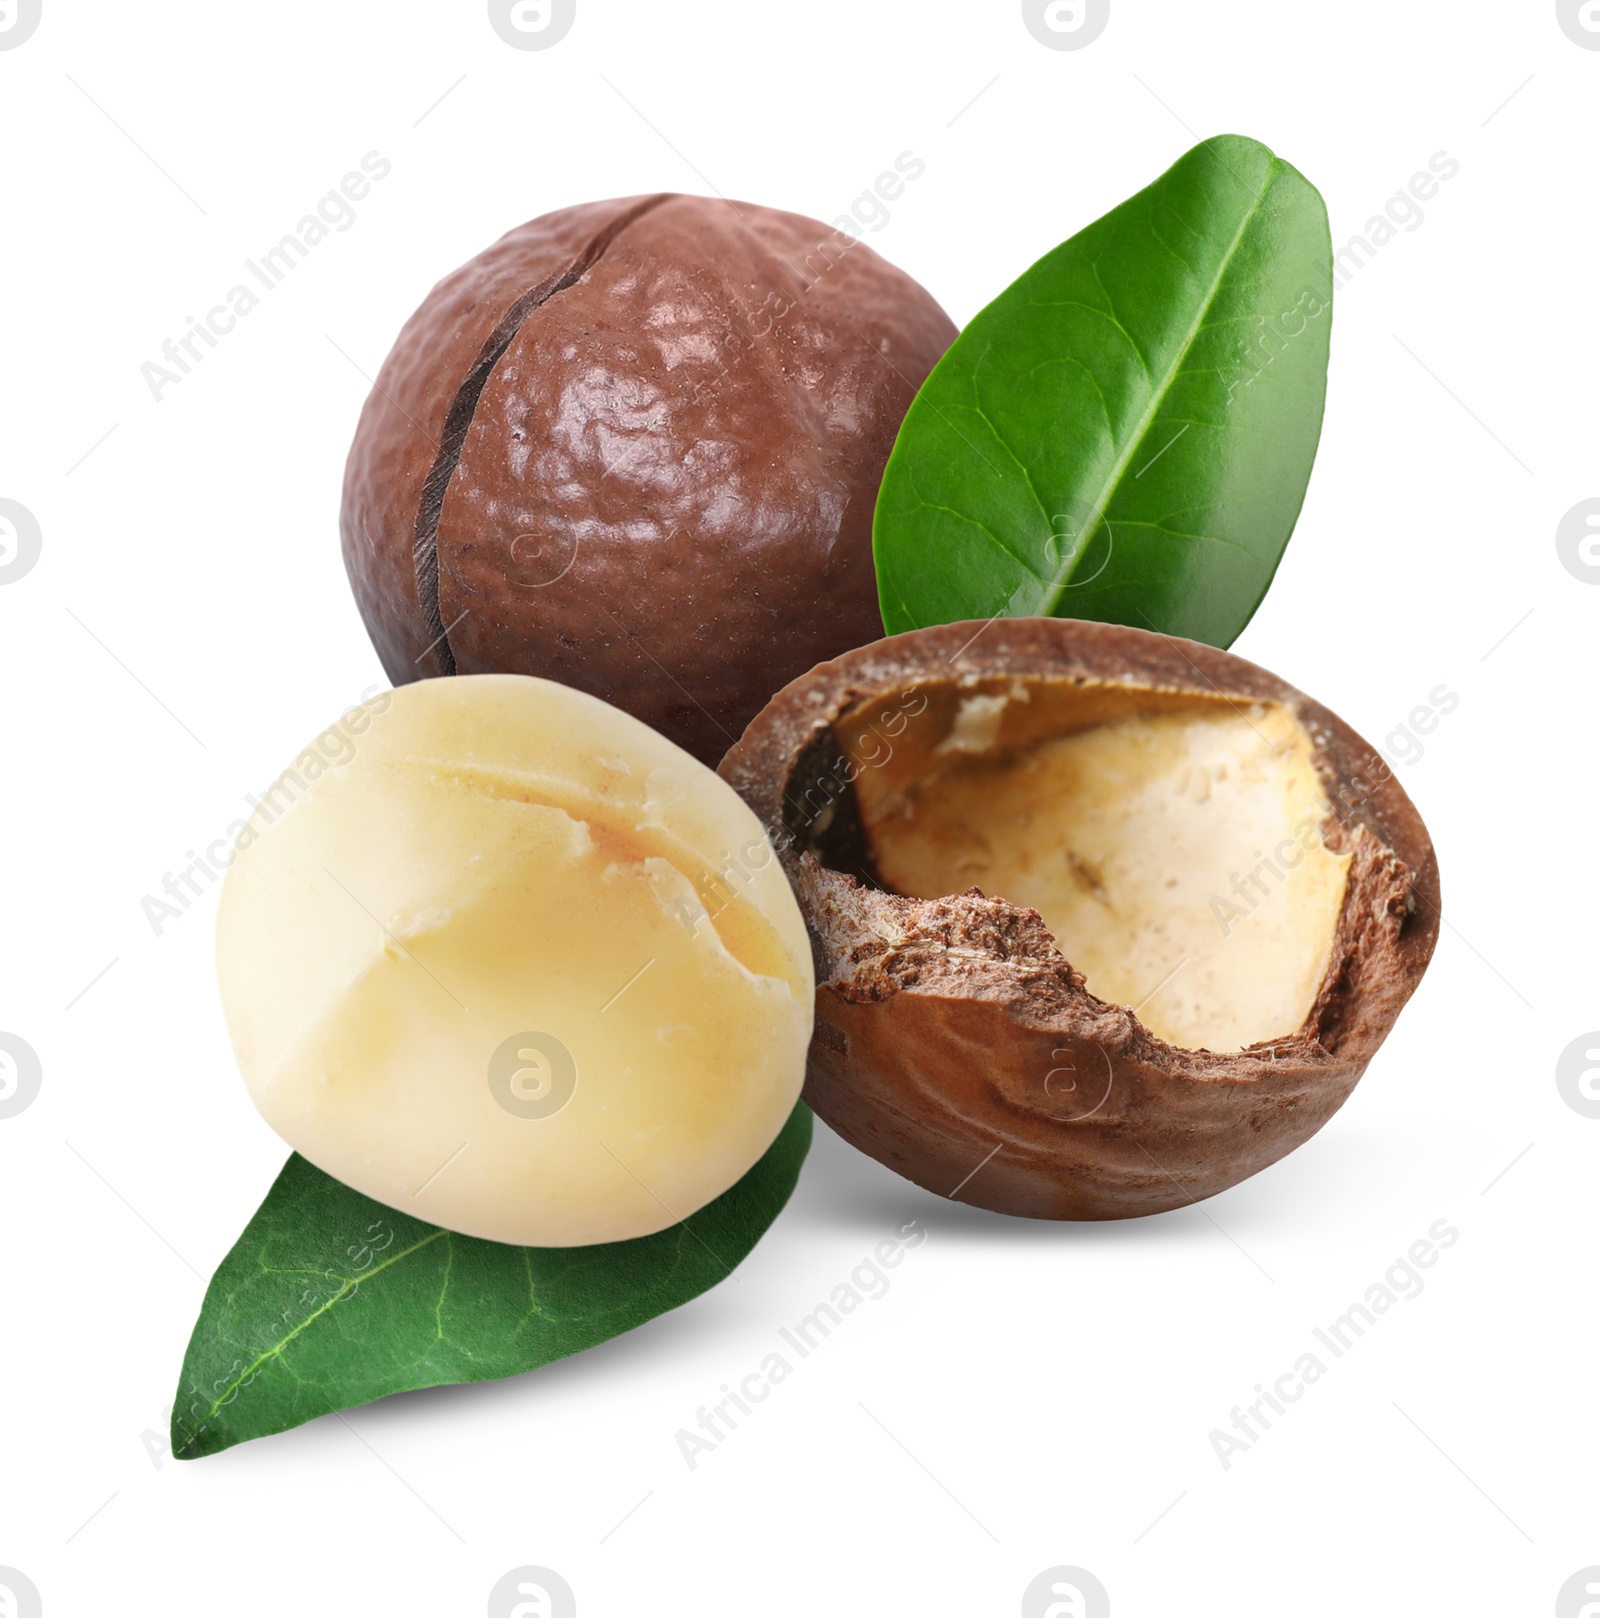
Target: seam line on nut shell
column 464, row 406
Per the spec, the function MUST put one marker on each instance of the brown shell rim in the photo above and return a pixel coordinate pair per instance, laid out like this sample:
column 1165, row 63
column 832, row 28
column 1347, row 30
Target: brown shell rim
column 1365, row 796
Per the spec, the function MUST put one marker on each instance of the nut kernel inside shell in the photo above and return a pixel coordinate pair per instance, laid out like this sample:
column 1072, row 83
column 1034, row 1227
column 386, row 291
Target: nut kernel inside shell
column 1172, row 844
column 505, row 868
column 955, row 1042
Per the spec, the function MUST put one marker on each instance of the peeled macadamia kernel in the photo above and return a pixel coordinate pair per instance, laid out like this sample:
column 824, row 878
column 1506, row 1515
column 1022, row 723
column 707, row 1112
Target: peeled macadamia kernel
column 1139, row 841
column 521, row 967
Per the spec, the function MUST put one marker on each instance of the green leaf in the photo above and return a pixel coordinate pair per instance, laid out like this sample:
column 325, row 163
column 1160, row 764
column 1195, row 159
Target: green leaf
column 1127, row 431
column 330, row 1300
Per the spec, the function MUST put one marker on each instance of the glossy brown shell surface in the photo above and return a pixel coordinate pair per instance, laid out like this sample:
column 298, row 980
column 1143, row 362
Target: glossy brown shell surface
column 635, row 447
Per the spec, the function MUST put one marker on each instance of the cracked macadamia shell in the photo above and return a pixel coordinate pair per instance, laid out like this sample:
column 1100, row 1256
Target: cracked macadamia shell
column 1104, row 921
column 635, row 447
column 480, row 960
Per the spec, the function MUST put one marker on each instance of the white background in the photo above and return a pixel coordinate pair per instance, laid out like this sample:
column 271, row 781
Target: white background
column 189, row 626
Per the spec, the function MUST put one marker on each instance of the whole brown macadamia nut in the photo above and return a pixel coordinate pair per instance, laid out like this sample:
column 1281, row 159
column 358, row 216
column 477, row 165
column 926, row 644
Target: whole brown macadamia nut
column 1104, row 921
column 635, row 447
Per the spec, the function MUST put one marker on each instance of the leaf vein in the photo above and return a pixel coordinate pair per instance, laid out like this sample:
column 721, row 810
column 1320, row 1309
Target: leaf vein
column 347, row 1287
column 1056, row 587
